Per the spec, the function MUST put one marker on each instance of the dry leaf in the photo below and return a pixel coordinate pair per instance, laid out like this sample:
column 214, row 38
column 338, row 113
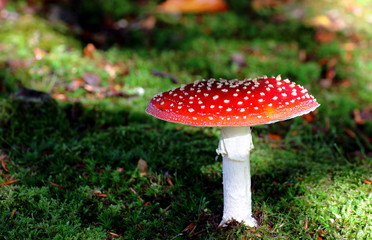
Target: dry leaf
column 113, row 235
column 309, row 118
column 169, row 181
column 111, row 70
column 39, row 54
column 9, row 182
column 367, row 181
column 60, row 96
column 149, row 23
column 19, row 64
column 190, row 227
column 100, row 195
column 56, row 185
column 75, row 84
column 350, row 132
column 345, row 83
column 275, row 136
column 324, row 36
column 192, row 6
column 143, row 167
column 360, row 117
column 89, row 50
column 4, row 159
column 92, row 79
column 12, row 213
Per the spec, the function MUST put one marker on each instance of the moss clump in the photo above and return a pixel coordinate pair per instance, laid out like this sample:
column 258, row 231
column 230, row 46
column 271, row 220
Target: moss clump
column 31, row 115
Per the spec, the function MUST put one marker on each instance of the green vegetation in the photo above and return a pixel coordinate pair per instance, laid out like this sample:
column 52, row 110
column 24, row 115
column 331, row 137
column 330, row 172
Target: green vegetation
column 88, row 163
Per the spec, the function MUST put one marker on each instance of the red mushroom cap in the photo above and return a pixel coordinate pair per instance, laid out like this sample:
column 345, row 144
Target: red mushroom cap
column 233, row 103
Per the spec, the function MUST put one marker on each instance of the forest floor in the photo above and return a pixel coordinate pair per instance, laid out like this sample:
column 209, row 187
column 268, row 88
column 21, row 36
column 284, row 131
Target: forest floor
column 80, row 159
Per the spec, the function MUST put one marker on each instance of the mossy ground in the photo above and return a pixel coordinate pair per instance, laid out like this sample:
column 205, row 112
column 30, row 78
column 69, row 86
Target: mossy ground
column 76, row 156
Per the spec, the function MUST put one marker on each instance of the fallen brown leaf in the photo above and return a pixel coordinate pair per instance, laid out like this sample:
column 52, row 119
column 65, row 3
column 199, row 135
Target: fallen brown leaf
column 322, row 36
column 367, row 181
column 12, row 213
column 56, row 185
column 345, row 83
column 309, row 118
column 111, row 70
column 189, row 227
column 91, row 79
column 39, row 53
column 9, row 182
column 192, row 6
column 294, row 133
column 350, row 132
column 361, row 117
column 169, row 181
column 60, row 96
column 148, row 23
column 102, row 195
column 75, row 84
column 143, row 167
column 275, row 136
column 134, row 191
column 89, row 50
column 4, row 159
column 113, row 234
column 15, row 64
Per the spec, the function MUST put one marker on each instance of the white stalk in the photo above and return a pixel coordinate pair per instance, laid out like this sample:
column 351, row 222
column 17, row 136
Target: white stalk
column 235, row 145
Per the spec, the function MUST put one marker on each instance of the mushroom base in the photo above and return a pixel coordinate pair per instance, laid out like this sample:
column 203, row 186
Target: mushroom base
column 236, row 175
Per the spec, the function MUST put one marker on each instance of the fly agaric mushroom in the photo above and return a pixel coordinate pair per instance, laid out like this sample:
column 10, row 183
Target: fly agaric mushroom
column 234, row 106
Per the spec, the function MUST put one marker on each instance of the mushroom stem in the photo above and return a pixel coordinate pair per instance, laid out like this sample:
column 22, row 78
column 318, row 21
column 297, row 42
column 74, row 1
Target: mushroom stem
column 235, row 145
